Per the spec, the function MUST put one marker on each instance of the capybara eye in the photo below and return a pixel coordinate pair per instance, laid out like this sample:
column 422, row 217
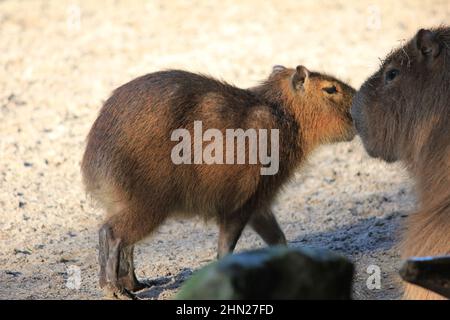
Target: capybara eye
column 391, row 74
column 330, row 90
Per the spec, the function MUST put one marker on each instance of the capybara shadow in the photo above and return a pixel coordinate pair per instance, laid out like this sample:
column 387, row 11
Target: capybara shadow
column 161, row 284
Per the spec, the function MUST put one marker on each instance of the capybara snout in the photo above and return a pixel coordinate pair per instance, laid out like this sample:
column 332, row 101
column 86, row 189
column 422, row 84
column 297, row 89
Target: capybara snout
column 325, row 98
column 403, row 96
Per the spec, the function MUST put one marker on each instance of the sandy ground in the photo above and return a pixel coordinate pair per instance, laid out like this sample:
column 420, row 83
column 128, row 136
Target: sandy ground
column 60, row 60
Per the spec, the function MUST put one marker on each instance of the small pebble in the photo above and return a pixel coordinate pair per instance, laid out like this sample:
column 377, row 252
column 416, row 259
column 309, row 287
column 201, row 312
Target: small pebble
column 71, row 234
column 13, row 273
column 17, row 251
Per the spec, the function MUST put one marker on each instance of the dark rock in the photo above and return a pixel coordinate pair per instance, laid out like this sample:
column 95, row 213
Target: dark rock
column 71, row 234
column 273, row 273
column 432, row 273
column 12, row 98
column 13, row 273
column 67, row 260
column 17, row 251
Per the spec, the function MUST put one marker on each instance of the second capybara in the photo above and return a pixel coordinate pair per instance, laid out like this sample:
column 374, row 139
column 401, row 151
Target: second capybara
column 402, row 112
column 136, row 168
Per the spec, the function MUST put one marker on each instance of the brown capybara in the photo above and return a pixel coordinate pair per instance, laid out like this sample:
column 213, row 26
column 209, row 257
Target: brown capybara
column 402, row 112
column 130, row 168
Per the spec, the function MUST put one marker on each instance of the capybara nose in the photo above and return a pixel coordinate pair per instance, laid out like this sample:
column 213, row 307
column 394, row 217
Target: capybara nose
column 353, row 108
column 355, row 111
column 355, row 123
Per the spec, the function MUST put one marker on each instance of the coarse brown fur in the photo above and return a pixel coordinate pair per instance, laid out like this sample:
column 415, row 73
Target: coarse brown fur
column 405, row 115
column 127, row 164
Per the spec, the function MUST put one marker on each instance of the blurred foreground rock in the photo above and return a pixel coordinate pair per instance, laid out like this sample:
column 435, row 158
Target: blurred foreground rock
column 273, row 273
column 432, row 273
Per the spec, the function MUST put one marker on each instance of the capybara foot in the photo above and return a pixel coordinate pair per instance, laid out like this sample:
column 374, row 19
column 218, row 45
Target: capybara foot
column 115, row 292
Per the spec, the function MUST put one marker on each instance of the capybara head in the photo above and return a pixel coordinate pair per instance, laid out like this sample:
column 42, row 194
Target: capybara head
column 320, row 102
column 401, row 107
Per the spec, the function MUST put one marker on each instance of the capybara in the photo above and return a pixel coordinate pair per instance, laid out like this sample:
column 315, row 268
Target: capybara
column 129, row 164
column 402, row 112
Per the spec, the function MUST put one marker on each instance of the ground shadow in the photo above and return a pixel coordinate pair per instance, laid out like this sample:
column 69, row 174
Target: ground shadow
column 367, row 235
column 161, row 284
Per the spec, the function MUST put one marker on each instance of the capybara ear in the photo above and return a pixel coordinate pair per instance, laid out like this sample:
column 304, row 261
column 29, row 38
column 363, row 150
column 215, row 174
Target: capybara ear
column 299, row 78
column 278, row 68
column 427, row 44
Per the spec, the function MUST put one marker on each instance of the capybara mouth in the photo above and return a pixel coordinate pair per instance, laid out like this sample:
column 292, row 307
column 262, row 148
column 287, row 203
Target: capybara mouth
column 351, row 135
column 390, row 159
column 373, row 153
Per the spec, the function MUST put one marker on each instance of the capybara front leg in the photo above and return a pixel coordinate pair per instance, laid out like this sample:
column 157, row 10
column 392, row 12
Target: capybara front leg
column 265, row 224
column 230, row 230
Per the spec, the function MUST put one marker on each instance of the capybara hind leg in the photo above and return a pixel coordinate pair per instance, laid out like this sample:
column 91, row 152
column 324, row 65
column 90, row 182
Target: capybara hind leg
column 111, row 255
column 230, row 230
column 116, row 241
column 265, row 224
column 127, row 277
